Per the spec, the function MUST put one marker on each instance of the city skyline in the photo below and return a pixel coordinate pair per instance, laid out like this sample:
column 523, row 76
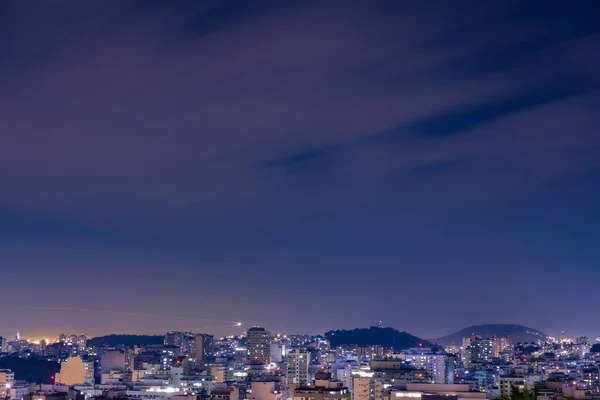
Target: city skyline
column 367, row 364
column 239, row 328
column 304, row 166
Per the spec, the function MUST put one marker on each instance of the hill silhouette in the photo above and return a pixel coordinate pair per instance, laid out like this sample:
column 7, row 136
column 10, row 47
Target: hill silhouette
column 385, row 337
column 518, row 333
column 125, row 340
column 30, row 369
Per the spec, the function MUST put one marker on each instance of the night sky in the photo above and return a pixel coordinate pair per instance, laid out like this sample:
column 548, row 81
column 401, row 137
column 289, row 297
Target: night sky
column 301, row 165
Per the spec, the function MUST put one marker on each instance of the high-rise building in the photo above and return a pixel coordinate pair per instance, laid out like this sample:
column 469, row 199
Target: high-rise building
column 188, row 347
column 591, row 378
column 502, row 345
column 204, row 347
column 580, row 350
column 481, row 351
column 583, row 340
column 81, row 342
column 167, row 355
column 452, row 349
column 298, row 362
column 466, row 342
column 435, row 364
column 3, row 345
column 259, row 346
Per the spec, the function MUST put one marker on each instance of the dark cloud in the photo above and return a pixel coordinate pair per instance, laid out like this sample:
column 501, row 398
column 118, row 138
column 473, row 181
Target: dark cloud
column 463, row 119
column 303, row 160
column 367, row 139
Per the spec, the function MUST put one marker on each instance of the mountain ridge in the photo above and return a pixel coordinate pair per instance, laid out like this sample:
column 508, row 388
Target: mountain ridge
column 385, row 337
column 519, row 333
column 114, row 340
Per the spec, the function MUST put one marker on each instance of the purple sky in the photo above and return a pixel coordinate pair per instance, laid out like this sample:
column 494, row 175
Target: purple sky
column 299, row 165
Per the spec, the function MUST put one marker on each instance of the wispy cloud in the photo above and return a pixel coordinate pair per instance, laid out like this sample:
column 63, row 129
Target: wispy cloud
column 127, row 110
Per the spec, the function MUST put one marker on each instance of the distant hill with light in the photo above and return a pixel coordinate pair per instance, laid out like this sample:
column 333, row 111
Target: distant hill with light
column 385, row 337
column 125, row 340
column 518, row 333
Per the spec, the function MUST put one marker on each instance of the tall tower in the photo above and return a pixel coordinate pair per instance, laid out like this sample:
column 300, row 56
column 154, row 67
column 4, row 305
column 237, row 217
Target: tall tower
column 259, row 346
column 298, row 362
column 204, row 347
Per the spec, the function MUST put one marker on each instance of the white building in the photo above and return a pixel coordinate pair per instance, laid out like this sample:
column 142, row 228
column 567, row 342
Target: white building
column 7, row 379
column 521, row 382
column 298, row 362
column 277, row 351
column 19, row 391
column 435, row 364
column 175, row 376
column 344, row 373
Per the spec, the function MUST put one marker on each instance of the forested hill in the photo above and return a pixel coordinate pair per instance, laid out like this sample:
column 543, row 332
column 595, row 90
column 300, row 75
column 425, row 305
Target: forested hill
column 125, row 340
column 385, row 337
column 30, row 369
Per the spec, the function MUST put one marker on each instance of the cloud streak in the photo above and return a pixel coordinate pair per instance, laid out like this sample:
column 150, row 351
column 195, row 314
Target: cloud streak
column 271, row 131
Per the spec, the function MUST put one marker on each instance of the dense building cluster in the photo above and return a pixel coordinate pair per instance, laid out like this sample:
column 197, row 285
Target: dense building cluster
column 259, row 365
